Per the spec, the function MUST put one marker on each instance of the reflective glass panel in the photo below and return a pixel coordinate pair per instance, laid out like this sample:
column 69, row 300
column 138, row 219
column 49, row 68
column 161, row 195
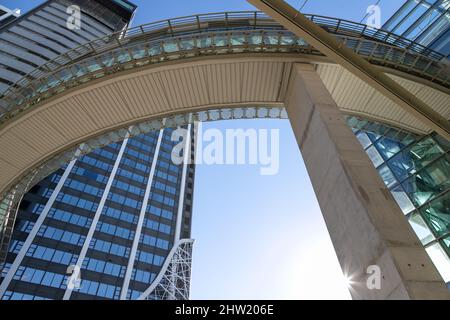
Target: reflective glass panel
column 437, row 214
column 387, row 176
column 374, row 156
column 421, row 228
column 429, row 182
column 396, row 164
column 138, row 52
column 373, row 136
column 363, row 139
column 446, row 244
column 443, row 143
column 237, row 40
column 220, row 40
column 287, row 39
column 255, row 39
column 123, row 56
column 271, row 39
column 187, row 44
column 204, row 41
column 402, row 199
column 440, row 260
column 388, row 147
column 154, row 49
column 422, row 153
column 170, row 46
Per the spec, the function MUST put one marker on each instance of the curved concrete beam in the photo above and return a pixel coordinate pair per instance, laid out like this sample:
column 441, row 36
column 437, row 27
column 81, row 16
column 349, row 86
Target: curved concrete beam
column 124, row 98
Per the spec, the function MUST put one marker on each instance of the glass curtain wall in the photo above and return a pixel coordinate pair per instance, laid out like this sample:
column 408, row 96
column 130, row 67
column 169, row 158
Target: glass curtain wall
column 416, row 169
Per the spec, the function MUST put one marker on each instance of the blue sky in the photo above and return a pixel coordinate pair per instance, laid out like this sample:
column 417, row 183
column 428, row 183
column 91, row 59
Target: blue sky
column 257, row 237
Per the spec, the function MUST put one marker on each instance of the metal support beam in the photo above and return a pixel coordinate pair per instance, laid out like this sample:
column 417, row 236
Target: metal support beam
column 296, row 22
column 98, row 213
column 37, row 225
column 174, row 279
column 140, row 224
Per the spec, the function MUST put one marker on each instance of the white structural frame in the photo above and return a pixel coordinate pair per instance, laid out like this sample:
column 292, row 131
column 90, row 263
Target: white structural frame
column 186, row 156
column 173, row 281
column 9, row 12
column 96, row 218
column 137, row 235
column 37, row 225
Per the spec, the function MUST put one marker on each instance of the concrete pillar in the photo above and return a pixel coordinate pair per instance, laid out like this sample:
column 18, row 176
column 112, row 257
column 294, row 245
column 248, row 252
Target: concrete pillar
column 365, row 223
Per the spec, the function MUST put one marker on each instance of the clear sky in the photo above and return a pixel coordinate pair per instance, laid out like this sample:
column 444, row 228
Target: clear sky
column 257, row 237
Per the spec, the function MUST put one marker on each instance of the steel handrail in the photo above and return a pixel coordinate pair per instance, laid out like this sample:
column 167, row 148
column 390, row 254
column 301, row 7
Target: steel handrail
column 384, row 54
column 341, row 26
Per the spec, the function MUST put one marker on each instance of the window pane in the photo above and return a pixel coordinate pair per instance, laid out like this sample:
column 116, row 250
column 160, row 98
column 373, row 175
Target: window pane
column 237, row 40
column 440, row 260
column 443, row 143
column 402, row 199
column 437, row 214
column 363, row 139
column 397, row 164
column 47, row 279
column 423, row 152
column 421, row 228
column 388, row 147
column 373, row 136
column 429, row 182
column 446, row 244
column 374, row 156
column 387, row 176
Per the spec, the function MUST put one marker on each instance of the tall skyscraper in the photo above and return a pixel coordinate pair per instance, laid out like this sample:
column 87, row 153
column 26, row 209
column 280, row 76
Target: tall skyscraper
column 42, row 34
column 116, row 213
column 47, row 37
column 7, row 15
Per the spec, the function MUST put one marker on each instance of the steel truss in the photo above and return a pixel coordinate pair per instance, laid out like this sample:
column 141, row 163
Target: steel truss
column 174, row 279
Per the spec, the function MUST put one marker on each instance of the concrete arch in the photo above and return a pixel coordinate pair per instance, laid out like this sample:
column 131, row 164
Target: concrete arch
column 197, row 63
column 106, row 104
column 266, row 75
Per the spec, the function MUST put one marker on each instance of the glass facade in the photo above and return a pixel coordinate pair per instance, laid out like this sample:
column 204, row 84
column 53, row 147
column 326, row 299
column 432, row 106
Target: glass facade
column 40, row 35
column 416, row 169
column 97, row 209
column 424, row 21
column 7, row 15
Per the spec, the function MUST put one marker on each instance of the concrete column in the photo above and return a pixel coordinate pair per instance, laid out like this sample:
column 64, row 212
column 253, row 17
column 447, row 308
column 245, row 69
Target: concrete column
column 365, row 223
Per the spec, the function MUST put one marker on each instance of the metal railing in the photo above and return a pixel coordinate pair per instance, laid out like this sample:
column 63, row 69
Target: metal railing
column 414, row 56
column 142, row 52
